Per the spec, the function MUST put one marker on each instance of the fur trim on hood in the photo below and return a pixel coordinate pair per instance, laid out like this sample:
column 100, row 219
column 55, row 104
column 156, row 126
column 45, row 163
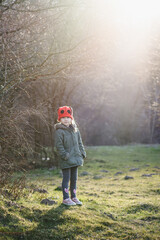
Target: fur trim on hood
column 72, row 127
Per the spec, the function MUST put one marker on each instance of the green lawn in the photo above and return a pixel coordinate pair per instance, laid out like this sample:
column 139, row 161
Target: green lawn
column 113, row 207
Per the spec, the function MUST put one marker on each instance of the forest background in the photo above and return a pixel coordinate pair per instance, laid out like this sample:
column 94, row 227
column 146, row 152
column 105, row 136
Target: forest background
column 100, row 57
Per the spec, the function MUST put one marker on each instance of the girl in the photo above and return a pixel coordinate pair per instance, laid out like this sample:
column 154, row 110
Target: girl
column 71, row 151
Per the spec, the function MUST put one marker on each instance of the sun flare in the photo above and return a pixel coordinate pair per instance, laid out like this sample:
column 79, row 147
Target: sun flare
column 131, row 24
column 138, row 13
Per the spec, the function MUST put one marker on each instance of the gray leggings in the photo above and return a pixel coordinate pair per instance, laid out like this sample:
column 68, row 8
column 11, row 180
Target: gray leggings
column 69, row 174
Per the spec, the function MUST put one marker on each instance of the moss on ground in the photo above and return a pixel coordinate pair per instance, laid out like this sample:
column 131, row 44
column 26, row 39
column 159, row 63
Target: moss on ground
column 113, row 208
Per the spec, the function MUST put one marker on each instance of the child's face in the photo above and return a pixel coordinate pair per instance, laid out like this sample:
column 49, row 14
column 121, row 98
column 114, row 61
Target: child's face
column 66, row 121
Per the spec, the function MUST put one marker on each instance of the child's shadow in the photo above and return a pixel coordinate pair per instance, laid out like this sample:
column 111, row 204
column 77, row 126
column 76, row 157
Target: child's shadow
column 55, row 225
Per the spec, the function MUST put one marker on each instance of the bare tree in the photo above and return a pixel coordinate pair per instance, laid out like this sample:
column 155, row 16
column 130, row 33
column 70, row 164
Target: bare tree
column 38, row 57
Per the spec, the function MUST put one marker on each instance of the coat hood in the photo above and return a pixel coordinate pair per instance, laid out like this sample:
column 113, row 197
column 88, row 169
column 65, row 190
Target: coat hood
column 72, row 127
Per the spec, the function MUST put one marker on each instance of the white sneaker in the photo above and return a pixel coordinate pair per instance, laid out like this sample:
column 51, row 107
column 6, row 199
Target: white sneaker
column 75, row 200
column 69, row 202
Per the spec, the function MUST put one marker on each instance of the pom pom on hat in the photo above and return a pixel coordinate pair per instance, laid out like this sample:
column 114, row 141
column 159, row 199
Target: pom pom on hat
column 65, row 111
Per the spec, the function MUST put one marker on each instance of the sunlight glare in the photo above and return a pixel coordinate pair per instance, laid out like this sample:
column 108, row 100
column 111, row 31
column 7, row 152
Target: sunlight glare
column 137, row 13
column 131, row 24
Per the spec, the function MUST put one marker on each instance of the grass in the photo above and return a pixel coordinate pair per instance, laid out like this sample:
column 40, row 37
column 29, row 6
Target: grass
column 113, row 208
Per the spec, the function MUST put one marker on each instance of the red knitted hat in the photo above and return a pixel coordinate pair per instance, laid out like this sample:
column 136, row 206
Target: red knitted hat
column 65, row 111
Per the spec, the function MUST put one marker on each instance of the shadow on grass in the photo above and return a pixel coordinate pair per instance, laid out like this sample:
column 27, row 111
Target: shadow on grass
column 55, row 225
column 143, row 207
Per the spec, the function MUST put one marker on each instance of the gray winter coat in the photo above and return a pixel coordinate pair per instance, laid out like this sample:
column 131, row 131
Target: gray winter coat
column 69, row 146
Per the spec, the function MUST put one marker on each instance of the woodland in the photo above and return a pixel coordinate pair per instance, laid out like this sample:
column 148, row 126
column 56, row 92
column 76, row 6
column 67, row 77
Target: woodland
column 56, row 53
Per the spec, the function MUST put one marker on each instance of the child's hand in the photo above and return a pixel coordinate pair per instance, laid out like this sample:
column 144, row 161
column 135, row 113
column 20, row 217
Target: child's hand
column 67, row 156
